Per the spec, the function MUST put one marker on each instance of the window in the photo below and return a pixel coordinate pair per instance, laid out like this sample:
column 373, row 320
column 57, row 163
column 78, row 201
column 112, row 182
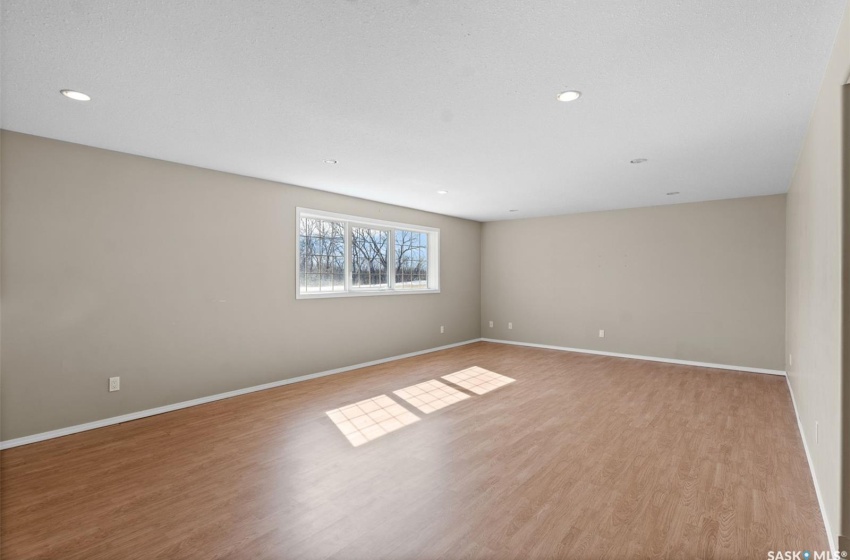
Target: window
column 369, row 258
column 411, row 260
column 341, row 255
column 322, row 249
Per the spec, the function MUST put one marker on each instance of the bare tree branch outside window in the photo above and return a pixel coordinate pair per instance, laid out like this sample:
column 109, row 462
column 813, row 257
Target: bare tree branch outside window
column 369, row 249
column 411, row 260
column 321, row 244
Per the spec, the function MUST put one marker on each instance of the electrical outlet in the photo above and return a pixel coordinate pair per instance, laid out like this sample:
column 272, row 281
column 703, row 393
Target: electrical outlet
column 601, row 333
column 510, row 326
column 114, row 384
column 491, row 324
column 817, row 432
column 790, row 359
column 442, row 329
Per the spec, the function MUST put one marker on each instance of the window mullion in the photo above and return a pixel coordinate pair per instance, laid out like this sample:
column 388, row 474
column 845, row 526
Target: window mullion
column 430, row 262
column 347, row 256
column 391, row 261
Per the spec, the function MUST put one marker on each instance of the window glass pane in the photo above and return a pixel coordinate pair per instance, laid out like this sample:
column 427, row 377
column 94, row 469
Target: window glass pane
column 369, row 248
column 411, row 256
column 312, row 283
column 320, row 244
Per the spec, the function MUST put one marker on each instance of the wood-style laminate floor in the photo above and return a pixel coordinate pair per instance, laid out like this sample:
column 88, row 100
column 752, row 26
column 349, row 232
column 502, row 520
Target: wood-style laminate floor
column 581, row 457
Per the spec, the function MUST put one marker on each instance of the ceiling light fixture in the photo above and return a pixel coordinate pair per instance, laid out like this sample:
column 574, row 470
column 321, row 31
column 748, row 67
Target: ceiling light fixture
column 330, row 161
column 672, row 193
column 570, row 95
column 442, row 192
column 75, row 95
column 638, row 160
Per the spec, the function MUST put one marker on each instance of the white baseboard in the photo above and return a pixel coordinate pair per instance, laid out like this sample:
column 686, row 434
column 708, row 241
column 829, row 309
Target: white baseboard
column 832, row 544
column 637, row 357
column 203, row 400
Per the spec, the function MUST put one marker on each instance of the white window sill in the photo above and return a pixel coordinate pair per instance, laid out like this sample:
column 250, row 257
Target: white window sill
column 362, row 293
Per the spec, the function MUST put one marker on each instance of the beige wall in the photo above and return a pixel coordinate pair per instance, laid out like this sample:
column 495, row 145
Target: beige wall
column 814, row 279
column 181, row 281
column 702, row 281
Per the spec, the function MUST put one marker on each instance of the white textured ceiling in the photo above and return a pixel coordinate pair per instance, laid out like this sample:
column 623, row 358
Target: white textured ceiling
column 415, row 96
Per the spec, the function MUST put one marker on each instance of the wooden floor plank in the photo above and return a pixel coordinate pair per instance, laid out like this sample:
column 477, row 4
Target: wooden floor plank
column 581, row 457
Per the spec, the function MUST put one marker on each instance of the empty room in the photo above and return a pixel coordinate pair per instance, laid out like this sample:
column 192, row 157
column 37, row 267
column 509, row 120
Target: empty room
column 420, row 279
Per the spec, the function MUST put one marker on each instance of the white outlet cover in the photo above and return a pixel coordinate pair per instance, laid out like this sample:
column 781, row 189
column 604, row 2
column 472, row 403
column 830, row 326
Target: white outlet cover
column 510, row 325
column 491, row 324
column 114, row 384
column 601, row 333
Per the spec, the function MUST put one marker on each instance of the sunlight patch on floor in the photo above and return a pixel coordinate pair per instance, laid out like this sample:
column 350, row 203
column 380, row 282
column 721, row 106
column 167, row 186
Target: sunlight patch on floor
column 478, row 380
column 431, row 395
column 370, row 419
column 364, row 421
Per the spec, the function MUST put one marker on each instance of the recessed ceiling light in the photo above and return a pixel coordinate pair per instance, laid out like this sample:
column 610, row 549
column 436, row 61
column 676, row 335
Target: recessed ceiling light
column 672, row 193
column 330, row 161
column 638, row 160
column 442, row 192
column 513, row 210
column 75, row 95
column 570, row 95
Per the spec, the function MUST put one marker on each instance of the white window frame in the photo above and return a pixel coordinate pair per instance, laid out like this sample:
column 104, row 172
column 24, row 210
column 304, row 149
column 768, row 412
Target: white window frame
column 357, row 221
